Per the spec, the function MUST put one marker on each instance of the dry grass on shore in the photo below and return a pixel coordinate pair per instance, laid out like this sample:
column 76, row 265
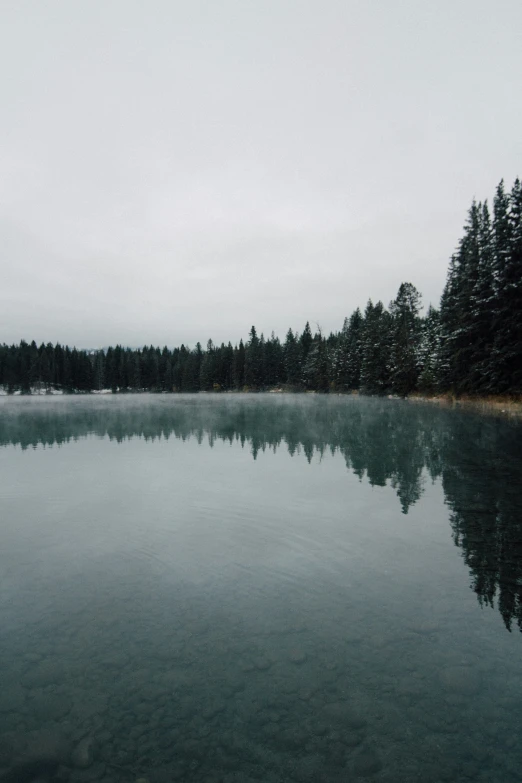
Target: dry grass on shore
column 509, row 405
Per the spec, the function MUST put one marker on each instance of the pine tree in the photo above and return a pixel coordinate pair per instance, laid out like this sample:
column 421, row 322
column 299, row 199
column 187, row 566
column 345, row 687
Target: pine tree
column 376, row 344
column 253, row 361
column 355, row 336
column 483, row 309
column 315, row 366
column 406, row 333
column 135, row 381
column 467, row 338
column 44, row 367
column 191, row 368
column 306, row 341
column 99, row 370
column 226, row 378
column 273, row 361
column 429, row 351
column 507, row 349
column 207, row 369
column 340, row 359
column 292, row 359
column 458, row 314
column 238, row 366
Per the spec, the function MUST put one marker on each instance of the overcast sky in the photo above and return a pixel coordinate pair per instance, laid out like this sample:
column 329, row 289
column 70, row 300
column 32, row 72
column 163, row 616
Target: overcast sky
column 171, row 171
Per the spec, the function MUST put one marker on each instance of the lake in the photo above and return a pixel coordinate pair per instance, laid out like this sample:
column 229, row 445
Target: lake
column 235, row 588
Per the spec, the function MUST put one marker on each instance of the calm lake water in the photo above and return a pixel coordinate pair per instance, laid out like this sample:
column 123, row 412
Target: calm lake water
column 258, row 588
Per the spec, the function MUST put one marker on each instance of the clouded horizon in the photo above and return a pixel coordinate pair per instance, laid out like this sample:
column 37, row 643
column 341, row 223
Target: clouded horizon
column 171, row 172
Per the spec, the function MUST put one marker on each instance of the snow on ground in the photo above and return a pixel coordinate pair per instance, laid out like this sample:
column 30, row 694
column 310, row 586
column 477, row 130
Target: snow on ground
column 34, row 390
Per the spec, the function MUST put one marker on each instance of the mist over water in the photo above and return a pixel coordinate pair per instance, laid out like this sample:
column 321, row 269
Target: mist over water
column 262, row 587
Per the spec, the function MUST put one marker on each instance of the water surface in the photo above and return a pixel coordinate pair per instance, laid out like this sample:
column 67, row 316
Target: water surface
column 275, row 588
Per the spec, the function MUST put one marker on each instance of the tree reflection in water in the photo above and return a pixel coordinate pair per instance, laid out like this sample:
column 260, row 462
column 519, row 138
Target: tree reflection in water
column 477, row 458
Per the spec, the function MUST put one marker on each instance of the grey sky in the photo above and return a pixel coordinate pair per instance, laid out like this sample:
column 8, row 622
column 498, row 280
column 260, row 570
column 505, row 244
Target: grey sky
column 171, row 171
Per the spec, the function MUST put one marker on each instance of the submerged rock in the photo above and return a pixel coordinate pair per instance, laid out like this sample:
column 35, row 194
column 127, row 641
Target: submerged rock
column 83, row 755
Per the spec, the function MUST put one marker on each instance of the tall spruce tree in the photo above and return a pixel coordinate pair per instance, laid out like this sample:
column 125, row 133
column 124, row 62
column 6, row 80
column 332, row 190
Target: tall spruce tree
column 507, row 348
column 458, row 313
column 429, row 352
column 305, row 341
column 376, row 345
column 292, row 359
column 315, row 366
column 483, row 309
column 405, row 339
column 238, row 366
column 253, row 361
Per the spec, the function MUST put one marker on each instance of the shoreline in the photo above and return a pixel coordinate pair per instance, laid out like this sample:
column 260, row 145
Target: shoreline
column 494, row 404
column 508, row 405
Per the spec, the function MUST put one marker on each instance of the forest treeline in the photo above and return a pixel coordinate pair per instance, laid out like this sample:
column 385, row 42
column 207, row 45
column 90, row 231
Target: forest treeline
column 471, row 344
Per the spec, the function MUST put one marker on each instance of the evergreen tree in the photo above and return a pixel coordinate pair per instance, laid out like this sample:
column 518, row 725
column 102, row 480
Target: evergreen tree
column 355, row 336
column 227, row 366
column 238, row 366
column 292, row 359
column 459, row 335
column 315, row 366
column 207, row 369
column 306, row 341
column 467, row 338
column 406, row 333
column 429, row 351
column 67, row 379
column 191, row 369
column 339, row 372
column 507, row 348
column 376, row 344
column 44, row 367
column 253, row 361
column 110, row 374
column 134, row 369
column 99, row 370
column 346, row 368
column 483, row 309
column 273, row 361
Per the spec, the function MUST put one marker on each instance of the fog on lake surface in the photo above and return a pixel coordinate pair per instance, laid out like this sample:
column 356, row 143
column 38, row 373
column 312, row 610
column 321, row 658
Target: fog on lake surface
column 235, row 588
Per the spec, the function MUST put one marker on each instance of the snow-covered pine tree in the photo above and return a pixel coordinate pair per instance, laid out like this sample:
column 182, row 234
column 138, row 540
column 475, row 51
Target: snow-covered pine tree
column 429, row 351
column 405, row 339
column 458, row 323
column 348, row 354
column 376, row 345
column 253, row 361
column 292, row 359
column 507, row 348
column 315, row 366
column 238, row 366
column 482, row 308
